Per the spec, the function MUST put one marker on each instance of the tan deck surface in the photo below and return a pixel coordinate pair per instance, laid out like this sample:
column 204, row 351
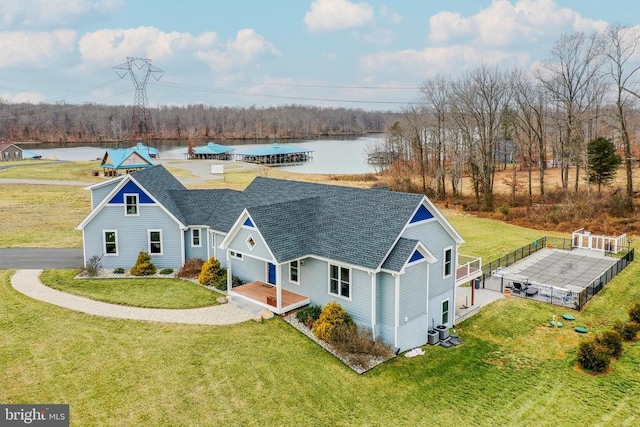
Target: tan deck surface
column 259, row 291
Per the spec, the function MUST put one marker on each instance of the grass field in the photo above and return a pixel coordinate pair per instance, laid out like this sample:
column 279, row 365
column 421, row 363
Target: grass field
column 512, row 370
column 135, row 292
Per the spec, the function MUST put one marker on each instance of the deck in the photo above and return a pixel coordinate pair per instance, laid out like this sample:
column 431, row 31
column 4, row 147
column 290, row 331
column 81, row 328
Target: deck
column 469, row 268
column 264, row 294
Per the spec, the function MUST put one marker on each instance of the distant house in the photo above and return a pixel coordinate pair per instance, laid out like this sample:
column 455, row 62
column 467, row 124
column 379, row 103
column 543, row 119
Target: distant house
column 9, row 152
column 211, row 151
column 125, row 160
column 389, row 258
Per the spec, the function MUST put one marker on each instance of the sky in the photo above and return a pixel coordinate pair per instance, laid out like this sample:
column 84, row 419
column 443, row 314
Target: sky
column 328, row 53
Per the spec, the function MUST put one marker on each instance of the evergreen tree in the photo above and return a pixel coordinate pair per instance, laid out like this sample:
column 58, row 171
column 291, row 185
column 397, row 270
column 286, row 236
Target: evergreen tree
column 603, row 161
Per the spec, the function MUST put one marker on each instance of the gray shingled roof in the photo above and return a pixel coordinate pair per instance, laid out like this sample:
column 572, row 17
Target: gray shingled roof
column 352, row 225
column 400, row 254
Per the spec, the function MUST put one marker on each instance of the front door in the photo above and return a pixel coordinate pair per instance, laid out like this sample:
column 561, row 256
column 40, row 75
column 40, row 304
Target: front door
column 271, row 273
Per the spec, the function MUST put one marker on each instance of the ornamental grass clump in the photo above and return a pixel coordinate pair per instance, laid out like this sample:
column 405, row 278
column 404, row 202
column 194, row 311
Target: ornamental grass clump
column 210, row 273
column 143, row 266
column 628, row 330
column 634, row 312
column 333, row 316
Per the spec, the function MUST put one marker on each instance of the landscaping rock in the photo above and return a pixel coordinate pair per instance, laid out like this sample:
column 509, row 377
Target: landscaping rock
column 257, row 318
column 266, row 314
column 222, row 300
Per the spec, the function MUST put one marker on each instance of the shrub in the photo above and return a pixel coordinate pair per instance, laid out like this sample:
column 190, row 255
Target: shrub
column 236, row 281
column 118, row 270
column 351, row 339
column 309, row 314
column 210, row 272
column 94, row 264
column 221, row 281
column 634, row 312
column 593, row 356
column 332, row 316
column 191, row 268
column 627, row 330
column 143, row 266
column 612, row 341
column 166, row 271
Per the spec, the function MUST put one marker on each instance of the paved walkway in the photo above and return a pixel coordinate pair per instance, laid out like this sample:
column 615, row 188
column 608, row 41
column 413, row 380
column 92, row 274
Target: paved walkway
column 28, row 282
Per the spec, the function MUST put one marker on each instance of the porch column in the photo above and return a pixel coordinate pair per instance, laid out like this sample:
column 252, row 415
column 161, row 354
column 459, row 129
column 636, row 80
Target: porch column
column 279, row 288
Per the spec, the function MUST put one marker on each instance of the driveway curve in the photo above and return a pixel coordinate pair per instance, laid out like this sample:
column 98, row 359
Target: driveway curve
column 28, row 282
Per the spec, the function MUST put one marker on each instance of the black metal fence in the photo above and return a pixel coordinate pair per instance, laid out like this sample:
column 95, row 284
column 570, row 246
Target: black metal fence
column 550, row 294
column 525, row 251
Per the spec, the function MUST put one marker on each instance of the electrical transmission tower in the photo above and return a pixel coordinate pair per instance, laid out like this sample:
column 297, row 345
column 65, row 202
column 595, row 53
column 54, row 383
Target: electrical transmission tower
column 140, row 70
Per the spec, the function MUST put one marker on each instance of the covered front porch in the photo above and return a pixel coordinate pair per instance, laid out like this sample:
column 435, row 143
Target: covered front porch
column 266, row 295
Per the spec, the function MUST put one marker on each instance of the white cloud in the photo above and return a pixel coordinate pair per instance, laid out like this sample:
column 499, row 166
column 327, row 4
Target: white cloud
column 331, row 15
column 245, row 49
column 437, row 60
column 30, row 13
column 31, row 97
column 505, row 23
column 393, row 16
column 35, row 49
column 112, row 46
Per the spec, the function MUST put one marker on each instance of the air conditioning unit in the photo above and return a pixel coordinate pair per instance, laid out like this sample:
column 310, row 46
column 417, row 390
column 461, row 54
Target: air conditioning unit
column 433, row 337
column 443, row 332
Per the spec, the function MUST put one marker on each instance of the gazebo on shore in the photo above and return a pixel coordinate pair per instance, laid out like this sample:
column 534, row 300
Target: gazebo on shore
column 276, row 155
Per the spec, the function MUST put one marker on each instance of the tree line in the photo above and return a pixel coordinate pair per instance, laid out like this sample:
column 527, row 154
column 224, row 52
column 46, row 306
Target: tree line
column 24, row 122
column 490, row 118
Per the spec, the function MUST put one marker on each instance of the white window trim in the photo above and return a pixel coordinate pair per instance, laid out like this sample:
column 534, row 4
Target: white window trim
column 124, row 199
column 199, row 230
column 340, row 267
column 448, row 301
column 149, row 243
column 104, row 242
column 444, row 262
column 248, row 241
column 297, row 282
column 236, row 255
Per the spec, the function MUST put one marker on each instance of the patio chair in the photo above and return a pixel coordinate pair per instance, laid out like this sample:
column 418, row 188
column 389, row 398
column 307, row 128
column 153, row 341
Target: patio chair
column 519, row 287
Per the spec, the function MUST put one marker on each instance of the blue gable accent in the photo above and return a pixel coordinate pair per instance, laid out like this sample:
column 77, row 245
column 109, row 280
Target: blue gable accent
column 131, row 188
column 248, row 223
column 416, row 256
column 422, row 214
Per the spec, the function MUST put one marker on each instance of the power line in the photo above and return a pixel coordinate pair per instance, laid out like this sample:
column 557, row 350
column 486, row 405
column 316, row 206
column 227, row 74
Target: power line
column 265, row 95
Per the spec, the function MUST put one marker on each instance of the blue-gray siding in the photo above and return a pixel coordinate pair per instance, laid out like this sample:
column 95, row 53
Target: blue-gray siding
column 201, row 251
column 385, row 310
column 98, row 194
column 413, row 291
column 239, row 243
column 436, row 239
column 249, row 269
column 315, row 285
column 435, row 308
column 133, row 236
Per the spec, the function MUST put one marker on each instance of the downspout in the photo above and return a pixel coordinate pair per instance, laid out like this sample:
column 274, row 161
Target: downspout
column 279, row 288
column 229, row 273
column 182, row 245
column 374, row 314
column 397, row 312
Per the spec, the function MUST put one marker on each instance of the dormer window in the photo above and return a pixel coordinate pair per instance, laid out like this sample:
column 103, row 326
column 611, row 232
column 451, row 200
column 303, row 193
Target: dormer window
column 251, row 243
column 131, row 204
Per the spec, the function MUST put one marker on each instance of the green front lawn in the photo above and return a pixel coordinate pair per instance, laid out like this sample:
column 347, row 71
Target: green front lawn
column 511, row 370
column 143, row 292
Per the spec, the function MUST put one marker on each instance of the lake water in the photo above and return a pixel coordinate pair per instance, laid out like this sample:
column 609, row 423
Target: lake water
column 330, row 156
